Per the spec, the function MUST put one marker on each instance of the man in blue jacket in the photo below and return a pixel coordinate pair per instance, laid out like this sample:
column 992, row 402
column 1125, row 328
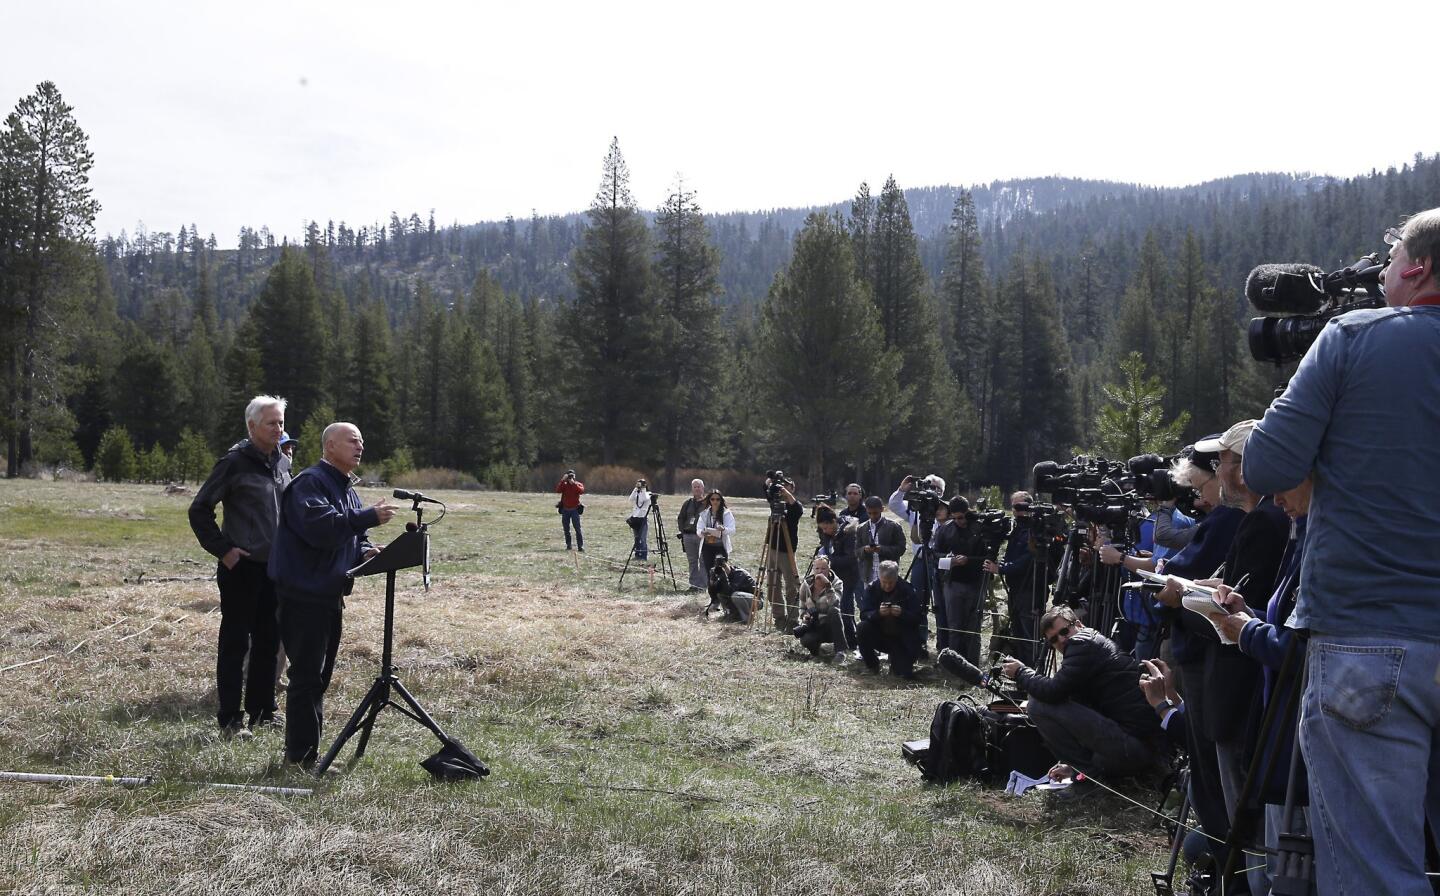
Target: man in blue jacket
column 1363, row 412
column 891, row 619
column 322, row 533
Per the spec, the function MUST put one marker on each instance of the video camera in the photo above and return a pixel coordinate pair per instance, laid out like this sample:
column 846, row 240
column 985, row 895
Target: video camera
column 992, row 527
column 1152, row 480
column 831, row 500
column 1300, row 299
column 922, row 499
column 775, row 480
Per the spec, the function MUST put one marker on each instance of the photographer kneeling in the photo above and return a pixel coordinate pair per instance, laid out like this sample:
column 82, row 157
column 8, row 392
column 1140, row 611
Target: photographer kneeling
column 891, row 620
column 820, row 597
column 732, row 589
column 1091, row 711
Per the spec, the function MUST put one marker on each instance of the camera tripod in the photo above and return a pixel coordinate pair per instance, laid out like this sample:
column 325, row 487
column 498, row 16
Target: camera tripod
column 658, row 544
column 773, row 571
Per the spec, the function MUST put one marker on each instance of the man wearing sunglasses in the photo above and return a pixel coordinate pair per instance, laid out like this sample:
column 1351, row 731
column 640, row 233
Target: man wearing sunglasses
column 1363, row 411
column 1091, row 712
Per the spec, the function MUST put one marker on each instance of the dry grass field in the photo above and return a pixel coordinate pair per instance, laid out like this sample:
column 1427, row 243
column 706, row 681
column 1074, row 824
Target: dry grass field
column 633, row 747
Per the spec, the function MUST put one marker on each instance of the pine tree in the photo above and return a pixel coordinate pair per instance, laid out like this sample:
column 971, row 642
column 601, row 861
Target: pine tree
column 821, row 396
column 686, row 278
column 369, row 402
column 47, row 219
column 965, row 296
column 479, row 422
column 292, row 337
column 1133, row 421
column 611, row 330
column 242, row 380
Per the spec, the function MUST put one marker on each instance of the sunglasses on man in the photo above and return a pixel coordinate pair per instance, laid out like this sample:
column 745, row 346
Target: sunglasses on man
column 1055, row 638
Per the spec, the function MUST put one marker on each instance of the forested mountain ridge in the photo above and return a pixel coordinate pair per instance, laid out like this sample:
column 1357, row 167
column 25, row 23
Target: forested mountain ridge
column 979, row 329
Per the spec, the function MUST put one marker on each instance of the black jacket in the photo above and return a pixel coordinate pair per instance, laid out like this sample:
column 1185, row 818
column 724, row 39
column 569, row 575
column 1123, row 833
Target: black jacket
column 841, row 551
column 908, row 626
column 1096, row 674
column 249, row 485
column 891, row 540
column 793, row 512
column 688, row 515
column 322, row 534
column 739, row 580
column 963, row 541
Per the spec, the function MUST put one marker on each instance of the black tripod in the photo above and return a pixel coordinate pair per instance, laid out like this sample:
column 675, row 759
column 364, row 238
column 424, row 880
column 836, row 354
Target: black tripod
column 660, row 545
column 453, row 761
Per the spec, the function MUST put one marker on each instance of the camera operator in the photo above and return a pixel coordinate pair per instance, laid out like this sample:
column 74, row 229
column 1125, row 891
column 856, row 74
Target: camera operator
column 1267, row 641
column 686, row 522
column 820, row 596
column 878, row 539
column 854, row 509
column 639, row 518
column 1091, row 712
column 732, row 589
column 923, row 570
column 959, row 547
column 891, row 616
column 787, row 612
column 837, row 544
column 1361, row 412
column 570, row 490
column 1017, row 566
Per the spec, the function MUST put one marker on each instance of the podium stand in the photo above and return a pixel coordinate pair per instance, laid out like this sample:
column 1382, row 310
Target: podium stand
column 410, row 550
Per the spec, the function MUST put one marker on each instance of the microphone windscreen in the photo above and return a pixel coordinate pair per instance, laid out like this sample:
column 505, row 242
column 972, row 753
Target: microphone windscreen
column 1287, row 288
column 960, row 667
column 411, row 527
column 402, row 494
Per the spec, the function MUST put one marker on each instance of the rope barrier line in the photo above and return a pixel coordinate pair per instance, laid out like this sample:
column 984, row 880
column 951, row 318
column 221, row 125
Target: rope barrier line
column 1160, row 815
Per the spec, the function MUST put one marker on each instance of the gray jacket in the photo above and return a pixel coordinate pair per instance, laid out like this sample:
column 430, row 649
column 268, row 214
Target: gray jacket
column 888, row 536
column 249, row 485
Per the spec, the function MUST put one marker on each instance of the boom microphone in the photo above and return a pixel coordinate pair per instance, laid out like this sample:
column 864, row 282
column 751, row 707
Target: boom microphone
column 962, row 669
column 415, row 496
column 1286, row 288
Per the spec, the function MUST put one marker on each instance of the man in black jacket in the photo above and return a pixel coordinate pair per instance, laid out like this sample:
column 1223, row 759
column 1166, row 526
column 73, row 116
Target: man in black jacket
column 960, row 551
column 685, row 523
column 248, row 481
column 1091, row 712
column 732, row 589
column 323, row 532
column 837, row 544
column 891, row 621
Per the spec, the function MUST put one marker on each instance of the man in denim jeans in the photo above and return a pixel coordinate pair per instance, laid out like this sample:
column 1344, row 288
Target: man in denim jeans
column 1363, row 410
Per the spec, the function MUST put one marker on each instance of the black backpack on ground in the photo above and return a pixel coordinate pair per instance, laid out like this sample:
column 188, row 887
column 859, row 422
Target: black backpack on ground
column 959, row 734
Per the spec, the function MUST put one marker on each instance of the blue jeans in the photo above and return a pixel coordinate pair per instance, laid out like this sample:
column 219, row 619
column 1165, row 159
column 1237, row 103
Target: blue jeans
column 641, row 525
column 1369, row 722
column 568, row 518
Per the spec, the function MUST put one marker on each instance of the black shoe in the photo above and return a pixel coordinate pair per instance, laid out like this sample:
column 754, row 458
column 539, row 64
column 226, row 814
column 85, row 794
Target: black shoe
column 267, row 720
column 235, row 730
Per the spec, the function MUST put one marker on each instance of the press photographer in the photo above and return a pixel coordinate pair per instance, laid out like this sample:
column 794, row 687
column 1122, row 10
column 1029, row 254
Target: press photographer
column 891, row 616
column 1091, row 711
column 1018, row 569
column 820, row 623
column 919, row 500
column 638, row 518
column 837, row 545
column 960, row 549
column 732, row 590
column 1360, row 412
column 784, row 537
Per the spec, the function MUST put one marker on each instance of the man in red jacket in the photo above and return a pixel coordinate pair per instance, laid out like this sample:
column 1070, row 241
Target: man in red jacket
column 570, row 490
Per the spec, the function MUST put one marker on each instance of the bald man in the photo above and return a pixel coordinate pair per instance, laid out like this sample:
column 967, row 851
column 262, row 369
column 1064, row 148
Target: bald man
column 323, row 532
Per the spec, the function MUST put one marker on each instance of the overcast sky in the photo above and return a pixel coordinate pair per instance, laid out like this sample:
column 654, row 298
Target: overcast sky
column 225, row 114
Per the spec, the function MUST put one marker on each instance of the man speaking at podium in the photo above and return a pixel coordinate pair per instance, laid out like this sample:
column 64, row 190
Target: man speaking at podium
column 322, row 533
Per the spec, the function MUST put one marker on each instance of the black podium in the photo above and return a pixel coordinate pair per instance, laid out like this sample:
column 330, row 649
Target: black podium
column 454, row 761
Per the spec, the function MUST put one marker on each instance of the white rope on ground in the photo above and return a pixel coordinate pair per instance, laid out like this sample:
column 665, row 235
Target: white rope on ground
column 37, row 778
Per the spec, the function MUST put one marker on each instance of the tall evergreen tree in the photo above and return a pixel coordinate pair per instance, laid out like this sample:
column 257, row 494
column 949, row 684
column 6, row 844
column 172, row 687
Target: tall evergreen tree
column 612, row 341
column 687, row 280
column 243, row 378
column 292, row 337
column 821, row 396
column 369, row 399
column 47, row 216
column 479, row 425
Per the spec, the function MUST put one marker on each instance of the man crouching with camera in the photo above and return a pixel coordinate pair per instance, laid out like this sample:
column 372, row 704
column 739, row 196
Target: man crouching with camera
column 1091, row 712
column 732, row 589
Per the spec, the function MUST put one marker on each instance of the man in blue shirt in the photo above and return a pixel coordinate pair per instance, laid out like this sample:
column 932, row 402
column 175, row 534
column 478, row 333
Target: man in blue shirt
column 1363, row 411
